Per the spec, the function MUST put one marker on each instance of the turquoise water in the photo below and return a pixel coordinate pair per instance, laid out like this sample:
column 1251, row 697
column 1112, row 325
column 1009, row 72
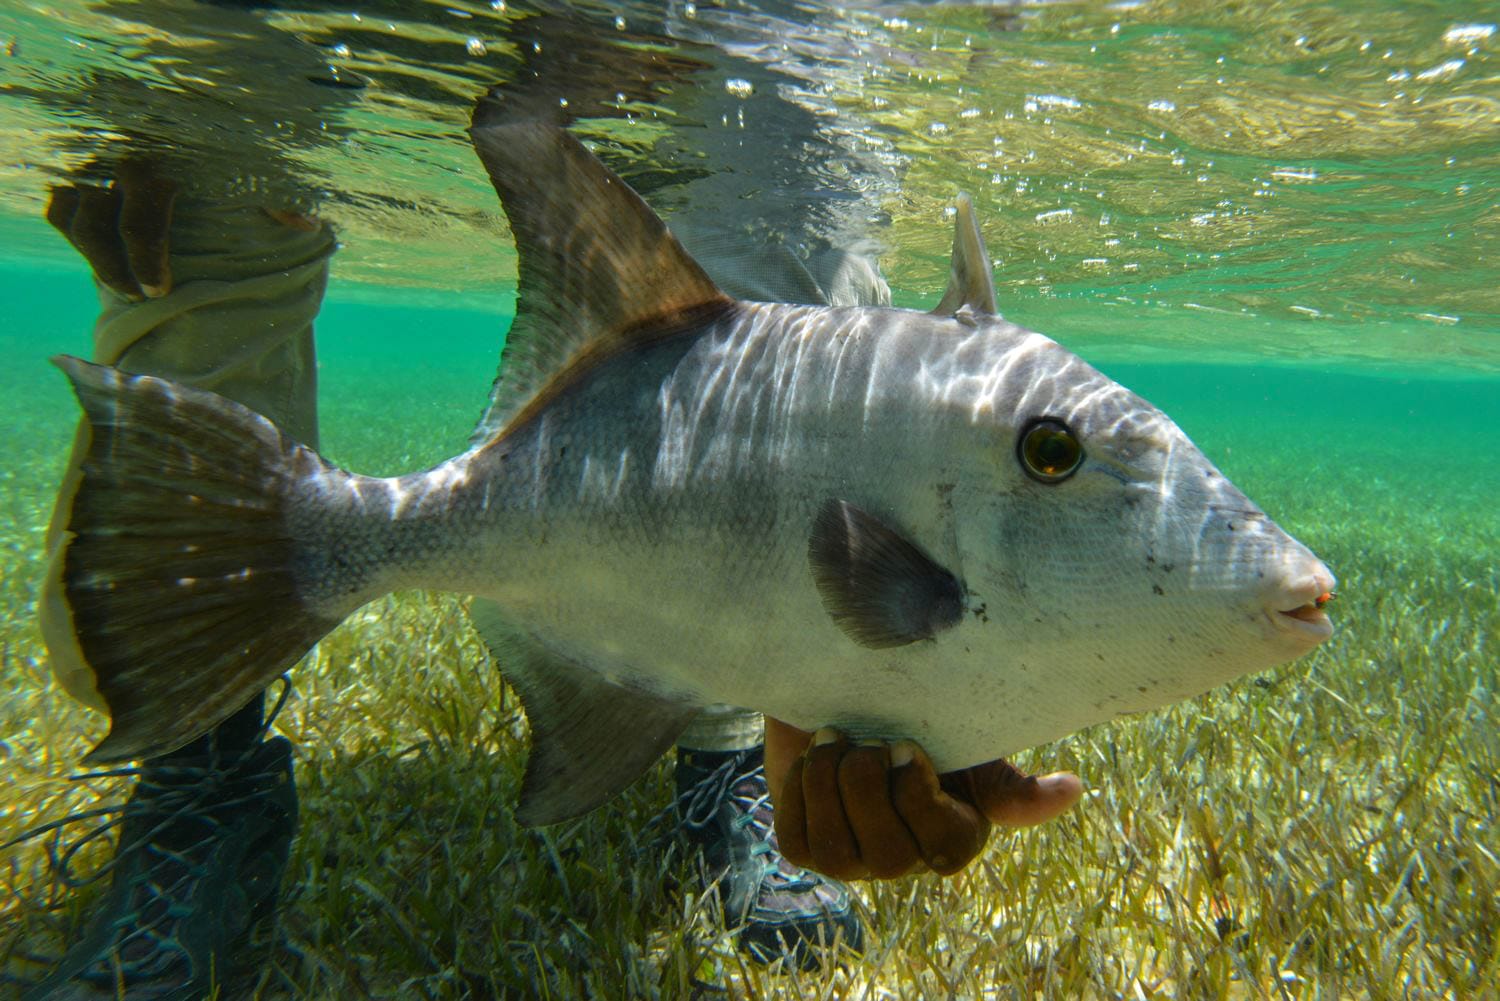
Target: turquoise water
column 1278, row 222
column 402, row 385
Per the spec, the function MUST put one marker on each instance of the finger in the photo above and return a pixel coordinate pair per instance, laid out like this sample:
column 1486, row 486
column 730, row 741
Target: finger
column 145, row 218
column 784, row 745
column 829, row 838
column 1008, row 796
column 96, row 233
column 790, row 818
column 886, row 847
column 949, row 832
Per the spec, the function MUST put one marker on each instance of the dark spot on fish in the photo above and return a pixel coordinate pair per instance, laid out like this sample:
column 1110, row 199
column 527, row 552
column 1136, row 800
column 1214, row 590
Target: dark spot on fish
column 1156, row 589
column 1141, row 689
column 1150, row 558
column 1263, row 682
column 562, row 453
column 1100, row 656
column 944, row 489
column 1171, row 638
column 1231, row 526
column 1168, row 567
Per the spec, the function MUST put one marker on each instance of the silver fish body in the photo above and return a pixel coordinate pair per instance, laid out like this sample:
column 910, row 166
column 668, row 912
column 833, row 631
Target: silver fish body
column 652, row 523
column 941, row 527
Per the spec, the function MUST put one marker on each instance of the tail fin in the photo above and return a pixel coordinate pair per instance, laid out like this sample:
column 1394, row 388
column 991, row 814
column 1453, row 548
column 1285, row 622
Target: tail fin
column 178, row 569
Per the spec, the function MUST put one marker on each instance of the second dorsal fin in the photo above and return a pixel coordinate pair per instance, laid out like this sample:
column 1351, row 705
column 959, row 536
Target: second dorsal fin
column 598, row 270
column 969, row 280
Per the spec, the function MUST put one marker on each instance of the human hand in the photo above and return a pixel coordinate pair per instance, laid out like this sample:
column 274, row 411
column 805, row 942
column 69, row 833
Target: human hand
column 879, row 811
column 121, row 230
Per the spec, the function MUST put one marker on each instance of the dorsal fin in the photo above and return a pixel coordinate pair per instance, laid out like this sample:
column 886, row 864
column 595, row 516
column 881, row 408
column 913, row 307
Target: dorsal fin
column 598, row 270
column 969, row 280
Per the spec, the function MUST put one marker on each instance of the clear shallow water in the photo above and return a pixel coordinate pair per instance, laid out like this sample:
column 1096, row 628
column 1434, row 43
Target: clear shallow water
column 1283, row 236
column 423, row 371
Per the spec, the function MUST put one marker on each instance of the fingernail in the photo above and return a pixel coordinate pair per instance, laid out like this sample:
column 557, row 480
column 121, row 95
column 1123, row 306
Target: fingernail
column 902, row 754
column 1059, row 784
column 153, row 291
column 825, row 736
column 870, row 742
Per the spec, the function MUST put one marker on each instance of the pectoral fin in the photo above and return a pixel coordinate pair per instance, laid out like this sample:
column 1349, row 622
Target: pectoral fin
column 876, row 584
column 590, row 738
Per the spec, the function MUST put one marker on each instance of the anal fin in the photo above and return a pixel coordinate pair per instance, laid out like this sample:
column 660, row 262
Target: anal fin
column 590, row 738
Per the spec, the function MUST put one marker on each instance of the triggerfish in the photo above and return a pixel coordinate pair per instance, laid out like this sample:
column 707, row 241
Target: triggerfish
column 934, row 526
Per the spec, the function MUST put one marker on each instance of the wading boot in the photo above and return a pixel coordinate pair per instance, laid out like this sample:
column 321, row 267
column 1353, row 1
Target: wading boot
column 203, row 842
column 783, row 910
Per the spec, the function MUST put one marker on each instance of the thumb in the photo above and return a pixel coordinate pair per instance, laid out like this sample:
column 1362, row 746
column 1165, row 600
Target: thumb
column 1011, row 798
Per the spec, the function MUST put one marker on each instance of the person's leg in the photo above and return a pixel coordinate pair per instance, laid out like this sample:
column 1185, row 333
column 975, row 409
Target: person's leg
column 206, row 832
column 202, row 844
column 725, row 809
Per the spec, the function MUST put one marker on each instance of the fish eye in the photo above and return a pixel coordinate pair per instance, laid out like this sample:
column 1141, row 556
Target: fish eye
column 1048, row 451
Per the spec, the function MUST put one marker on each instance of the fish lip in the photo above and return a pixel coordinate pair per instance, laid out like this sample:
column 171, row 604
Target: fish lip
column 1304, row 620
column 1295, row 609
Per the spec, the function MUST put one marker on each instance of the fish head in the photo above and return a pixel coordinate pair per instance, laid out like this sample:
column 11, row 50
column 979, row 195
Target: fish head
column 1102, row 550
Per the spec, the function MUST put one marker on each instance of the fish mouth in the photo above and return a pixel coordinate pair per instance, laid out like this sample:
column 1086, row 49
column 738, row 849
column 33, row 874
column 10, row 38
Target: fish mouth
column 1299, row 610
